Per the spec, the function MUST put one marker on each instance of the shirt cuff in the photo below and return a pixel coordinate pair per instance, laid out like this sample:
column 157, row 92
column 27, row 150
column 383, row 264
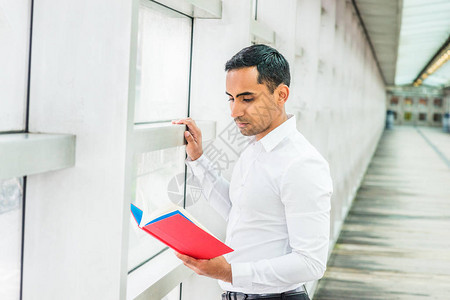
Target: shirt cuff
column 242, row 274
column 198, row 166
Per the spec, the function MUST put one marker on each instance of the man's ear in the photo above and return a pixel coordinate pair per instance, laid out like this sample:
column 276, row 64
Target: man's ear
column 283, row 93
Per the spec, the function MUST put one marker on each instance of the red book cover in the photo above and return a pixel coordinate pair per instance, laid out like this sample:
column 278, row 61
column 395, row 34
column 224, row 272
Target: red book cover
column 184, row 236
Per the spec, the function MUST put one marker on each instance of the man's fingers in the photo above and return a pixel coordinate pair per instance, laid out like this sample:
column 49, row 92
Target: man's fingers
column 187, row 260
column 181, row 256
column 189, row 137
column 193, row 128
column 186, row 121
column 192, row 263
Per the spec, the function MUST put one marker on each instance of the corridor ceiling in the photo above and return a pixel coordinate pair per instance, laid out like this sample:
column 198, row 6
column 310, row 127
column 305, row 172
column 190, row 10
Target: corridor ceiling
column 406, row 35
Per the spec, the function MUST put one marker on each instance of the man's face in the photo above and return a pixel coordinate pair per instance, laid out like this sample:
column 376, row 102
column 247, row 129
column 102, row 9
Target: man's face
column 252, row 105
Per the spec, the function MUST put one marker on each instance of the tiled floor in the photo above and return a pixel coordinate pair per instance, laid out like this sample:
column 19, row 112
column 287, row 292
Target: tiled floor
column 395, row 243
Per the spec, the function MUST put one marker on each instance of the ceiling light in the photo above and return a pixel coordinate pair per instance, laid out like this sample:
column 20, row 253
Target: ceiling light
column 441, row 57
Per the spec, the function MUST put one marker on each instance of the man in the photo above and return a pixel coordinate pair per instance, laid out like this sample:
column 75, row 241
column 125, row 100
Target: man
column 277, row 203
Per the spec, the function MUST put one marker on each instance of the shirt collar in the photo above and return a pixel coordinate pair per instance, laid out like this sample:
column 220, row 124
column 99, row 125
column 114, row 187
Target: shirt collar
column 274, row 137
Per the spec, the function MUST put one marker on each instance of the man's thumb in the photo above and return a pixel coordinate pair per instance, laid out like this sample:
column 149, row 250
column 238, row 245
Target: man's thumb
column 188, row 136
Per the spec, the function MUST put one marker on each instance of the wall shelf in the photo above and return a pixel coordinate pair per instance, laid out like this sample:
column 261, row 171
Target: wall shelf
column 157, row 136
column 202, row 9
column 24, row 154
column 207, row 8
column 261, row 33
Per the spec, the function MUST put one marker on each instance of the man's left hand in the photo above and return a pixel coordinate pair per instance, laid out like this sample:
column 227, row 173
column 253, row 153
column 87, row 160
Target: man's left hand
column 217, row 267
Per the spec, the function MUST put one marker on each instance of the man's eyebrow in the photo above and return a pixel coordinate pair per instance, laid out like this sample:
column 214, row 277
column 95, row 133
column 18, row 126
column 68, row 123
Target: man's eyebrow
column 241, row 94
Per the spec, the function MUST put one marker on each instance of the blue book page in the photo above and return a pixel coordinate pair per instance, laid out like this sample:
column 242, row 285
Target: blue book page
column 137, row 213
column 167, row 216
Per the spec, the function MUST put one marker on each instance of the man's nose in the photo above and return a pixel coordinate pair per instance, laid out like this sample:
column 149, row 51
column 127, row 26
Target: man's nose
column 237, row 110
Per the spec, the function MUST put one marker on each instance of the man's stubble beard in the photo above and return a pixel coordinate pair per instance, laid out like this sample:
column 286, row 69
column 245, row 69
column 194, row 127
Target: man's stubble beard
column 254, row 130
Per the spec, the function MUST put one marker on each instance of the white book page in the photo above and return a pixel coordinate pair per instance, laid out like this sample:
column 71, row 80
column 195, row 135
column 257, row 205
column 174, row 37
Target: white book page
column 148, row 217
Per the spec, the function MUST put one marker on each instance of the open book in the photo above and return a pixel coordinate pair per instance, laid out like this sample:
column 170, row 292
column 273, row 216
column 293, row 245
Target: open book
column 176, row 228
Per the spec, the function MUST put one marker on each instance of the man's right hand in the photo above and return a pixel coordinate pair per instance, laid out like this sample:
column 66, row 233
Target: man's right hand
column 193, row 137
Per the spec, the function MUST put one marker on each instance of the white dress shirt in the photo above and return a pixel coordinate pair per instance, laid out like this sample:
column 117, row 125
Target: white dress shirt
column 277, row 205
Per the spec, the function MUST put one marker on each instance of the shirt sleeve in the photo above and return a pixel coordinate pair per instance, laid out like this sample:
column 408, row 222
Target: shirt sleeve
column 306, row 189
column 215, row 188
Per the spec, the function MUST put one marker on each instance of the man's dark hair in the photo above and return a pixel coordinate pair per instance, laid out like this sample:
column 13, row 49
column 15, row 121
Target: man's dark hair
column 273, row 68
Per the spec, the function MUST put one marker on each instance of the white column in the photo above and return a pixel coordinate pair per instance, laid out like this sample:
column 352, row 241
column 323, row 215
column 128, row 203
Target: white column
column 79, row 85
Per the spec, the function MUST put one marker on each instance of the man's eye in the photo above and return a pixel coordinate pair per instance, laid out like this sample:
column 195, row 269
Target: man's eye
column 247, row 100
column 231, row 99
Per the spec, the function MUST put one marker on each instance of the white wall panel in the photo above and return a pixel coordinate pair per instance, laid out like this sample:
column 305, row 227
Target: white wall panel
column 14, row 40
column 79, row 85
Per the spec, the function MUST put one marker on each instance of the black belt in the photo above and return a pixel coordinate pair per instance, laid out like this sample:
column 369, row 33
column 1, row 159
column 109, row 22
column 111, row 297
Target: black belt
column 298, row 293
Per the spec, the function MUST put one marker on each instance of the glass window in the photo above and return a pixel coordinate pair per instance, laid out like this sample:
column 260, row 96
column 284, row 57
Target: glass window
column 163, row 64
column 408, row 116
column 11, row 191
column 162, row 93
column 423, row 102
column 160, row 177
column 437, row 117
column 408, row 101
column 14, row 41
column 422, row 116
column 437, row 102
column 394, row 101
